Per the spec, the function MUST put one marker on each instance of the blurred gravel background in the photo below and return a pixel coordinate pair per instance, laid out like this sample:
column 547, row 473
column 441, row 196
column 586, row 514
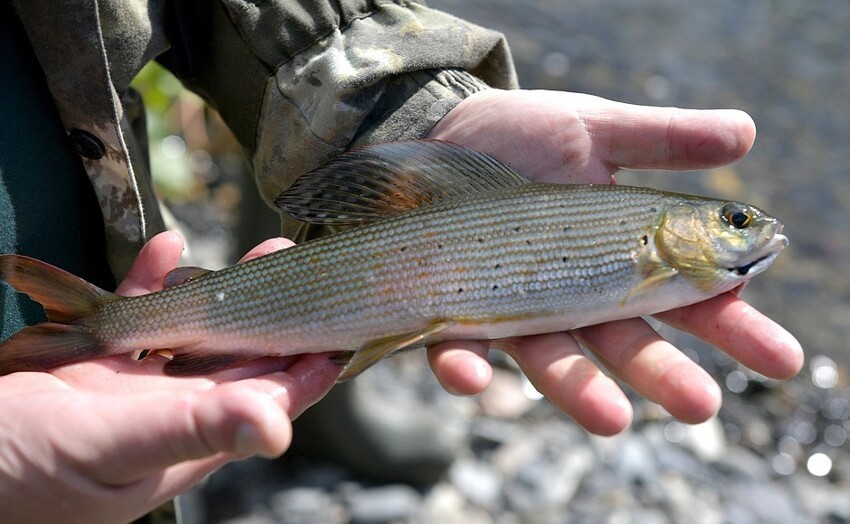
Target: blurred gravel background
column 777, row 452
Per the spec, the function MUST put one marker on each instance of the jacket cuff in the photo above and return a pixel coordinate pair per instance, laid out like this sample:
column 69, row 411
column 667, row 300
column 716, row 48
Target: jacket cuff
column 389, row 75
column 414, row 102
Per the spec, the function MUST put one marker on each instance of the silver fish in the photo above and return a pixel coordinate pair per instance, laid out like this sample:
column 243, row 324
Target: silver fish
column 451, row 244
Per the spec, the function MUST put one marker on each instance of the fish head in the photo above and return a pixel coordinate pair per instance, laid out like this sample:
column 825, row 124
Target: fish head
column 718, row 245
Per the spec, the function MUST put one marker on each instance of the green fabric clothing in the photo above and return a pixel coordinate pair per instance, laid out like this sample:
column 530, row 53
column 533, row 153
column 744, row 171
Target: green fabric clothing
column 298, row 81
column 47, row 206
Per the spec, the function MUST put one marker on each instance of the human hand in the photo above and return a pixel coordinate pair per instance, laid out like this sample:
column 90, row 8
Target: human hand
column 556, row 136
column 111, row 439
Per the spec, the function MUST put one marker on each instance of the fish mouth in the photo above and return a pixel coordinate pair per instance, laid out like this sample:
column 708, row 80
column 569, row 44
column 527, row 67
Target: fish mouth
column 764, row 258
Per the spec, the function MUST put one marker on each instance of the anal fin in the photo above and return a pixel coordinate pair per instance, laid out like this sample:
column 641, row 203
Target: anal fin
column 373, row 352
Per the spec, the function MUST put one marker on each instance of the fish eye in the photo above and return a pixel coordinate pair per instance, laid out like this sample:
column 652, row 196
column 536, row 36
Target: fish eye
column 738, row 215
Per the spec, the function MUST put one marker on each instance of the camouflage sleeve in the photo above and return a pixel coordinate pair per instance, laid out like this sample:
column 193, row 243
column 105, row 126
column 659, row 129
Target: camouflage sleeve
column 299, row 82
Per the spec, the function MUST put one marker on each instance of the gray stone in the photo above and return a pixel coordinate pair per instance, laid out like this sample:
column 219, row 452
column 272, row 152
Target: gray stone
column 549, row 482
column 306, row 506
column 383, row 504
column 765, row 502
column 478, row 481
column 636, row 461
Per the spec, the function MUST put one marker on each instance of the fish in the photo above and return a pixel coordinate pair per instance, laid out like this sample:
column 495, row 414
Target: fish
column 438, row 242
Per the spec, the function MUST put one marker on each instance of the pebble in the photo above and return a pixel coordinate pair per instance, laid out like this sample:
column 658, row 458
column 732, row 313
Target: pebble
column 307, row 505
column 505, row 396
column 376, row 505
column 479, row 482
column 764, row 502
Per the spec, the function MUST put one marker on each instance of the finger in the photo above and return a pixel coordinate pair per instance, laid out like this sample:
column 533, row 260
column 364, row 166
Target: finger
column 266, row 247
column 568, row 137
column 642, row 137
column 461, row 367
column 159, row 256
column 138, row 498
column 122, row 374
column 557, row 368
column 539, row 133
column 740, row 330
column 246, row 417
column 654, row 368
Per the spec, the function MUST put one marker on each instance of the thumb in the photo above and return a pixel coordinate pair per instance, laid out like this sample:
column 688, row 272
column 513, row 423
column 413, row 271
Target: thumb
column 165, row 430
column 246, row 417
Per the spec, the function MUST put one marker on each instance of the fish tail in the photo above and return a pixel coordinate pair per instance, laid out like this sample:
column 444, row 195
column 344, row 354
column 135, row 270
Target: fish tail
column 67, row 300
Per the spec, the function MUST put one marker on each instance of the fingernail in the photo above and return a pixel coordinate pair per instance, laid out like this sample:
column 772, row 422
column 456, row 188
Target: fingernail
column 248, row 440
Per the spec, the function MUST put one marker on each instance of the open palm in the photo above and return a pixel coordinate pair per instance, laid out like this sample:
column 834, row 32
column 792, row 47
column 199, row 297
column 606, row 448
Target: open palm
column 575, row 138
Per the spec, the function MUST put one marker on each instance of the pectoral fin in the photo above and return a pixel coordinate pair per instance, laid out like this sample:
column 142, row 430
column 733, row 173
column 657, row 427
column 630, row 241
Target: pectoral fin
column 184, row 275
column 371, row 353
column 187, row 363
column 658, row 275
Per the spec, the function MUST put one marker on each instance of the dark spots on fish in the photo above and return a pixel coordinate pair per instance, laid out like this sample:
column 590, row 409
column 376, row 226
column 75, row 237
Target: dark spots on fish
column 644, row 240
column 567, row 228
column 517, row 229
column 653, row 209
column 528, row 242
column 623, row 222
column 480, row 240
column 495, row 287
column 403, row 249
column 439, row 246
column 497, row 266
column 565, row 259
column 460, row 290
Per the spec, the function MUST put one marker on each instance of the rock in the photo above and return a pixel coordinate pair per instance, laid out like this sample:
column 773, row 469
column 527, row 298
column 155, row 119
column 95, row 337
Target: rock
column 446, row 504
column 513, row 455
column 636, row 462
column 505, row 397
column 688, row 501
column 741, row 463
column 306, row 506
column 549, row 481
column 254, row 517
column 388, row 438
column 762, row 502
column 382, row 504
column 479, row 482
column 826, row 502
column 706, row 440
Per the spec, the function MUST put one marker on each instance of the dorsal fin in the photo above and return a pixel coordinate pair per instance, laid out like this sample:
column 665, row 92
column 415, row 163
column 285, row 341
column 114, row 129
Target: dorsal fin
column 371, row 183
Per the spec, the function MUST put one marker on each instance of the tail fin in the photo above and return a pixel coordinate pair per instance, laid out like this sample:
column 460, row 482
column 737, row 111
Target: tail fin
column 67, row 300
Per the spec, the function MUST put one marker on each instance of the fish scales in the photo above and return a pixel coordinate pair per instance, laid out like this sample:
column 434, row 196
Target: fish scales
column 544, row 246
